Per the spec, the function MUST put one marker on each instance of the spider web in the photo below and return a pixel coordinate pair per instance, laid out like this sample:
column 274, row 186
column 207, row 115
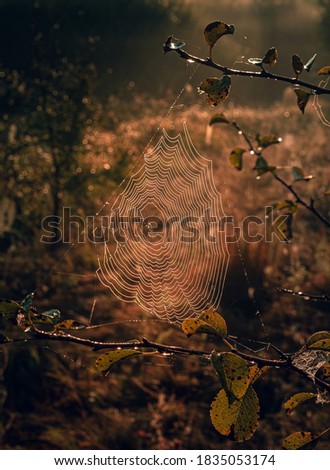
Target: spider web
column 170, row 256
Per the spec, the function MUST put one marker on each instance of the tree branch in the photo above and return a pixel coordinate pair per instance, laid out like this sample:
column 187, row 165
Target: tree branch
column 249, row 73
column 305, row 296
column 310, row 207
column 285, row 362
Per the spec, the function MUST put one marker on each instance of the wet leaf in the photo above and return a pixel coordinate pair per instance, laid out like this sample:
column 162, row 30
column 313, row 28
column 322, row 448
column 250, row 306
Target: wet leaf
column 172, row 44
column 50, row 316
column 234, row 373
column 271, row 56
column 217, row 90
column 297, row 64
column 302, row 98
column 299, row 175
column 301, row 440
column 9, row 309
column 324, row 70
column 309, row 64
column 236, row 158
column 237, row 420
column 109, row 359
column 215, row 31
column 27, row 302
column 218, row 118
column 296, row 400
column 319, row 340
column 70, row 325
column 267, row 140
column 208, row 322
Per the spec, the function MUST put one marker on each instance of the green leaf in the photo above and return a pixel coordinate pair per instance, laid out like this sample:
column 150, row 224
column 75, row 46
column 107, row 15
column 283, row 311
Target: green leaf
column 215, row 31
column 27, row 302
column 319, row 340
column 109, row 359
column 297, row 64
column 234, row 373
column 267, row 140
column 309, row 64
column 302, row 98
column 208, row 322
column 9, row 309
column 271, row 56
column 324, row 70
column 50, row 316
column 299, row 175
column 302, row 440
column 296, row 400
column 236, row 158
column 70, row 325
column 237, row 420
column 217, row 90
column 218, row 118
column 172, row 44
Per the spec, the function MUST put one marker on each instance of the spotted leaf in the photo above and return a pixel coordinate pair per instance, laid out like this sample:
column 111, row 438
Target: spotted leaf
column 233, row 372
column 208, row 322
column 217, row 90
column 110, row 358
column 302, row 440
column 297, row 400
column 237, row 420
column 319, row 340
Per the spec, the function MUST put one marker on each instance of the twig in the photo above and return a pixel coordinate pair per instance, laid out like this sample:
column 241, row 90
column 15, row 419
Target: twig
column 248, row 73
column 305, row 296
column 301, row 201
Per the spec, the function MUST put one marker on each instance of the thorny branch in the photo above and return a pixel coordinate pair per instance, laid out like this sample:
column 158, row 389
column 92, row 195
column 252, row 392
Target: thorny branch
column 208, row 62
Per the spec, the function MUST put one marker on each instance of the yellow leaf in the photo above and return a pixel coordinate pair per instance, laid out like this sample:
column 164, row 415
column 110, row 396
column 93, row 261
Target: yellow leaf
column 296, row 400
column 302, row 98
column 234, row 373
column 324, row 70
column 319, row 340
column 107, row 360
column 208, row 322
column 300, row 440
column 237, row 420
column 217, row 90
